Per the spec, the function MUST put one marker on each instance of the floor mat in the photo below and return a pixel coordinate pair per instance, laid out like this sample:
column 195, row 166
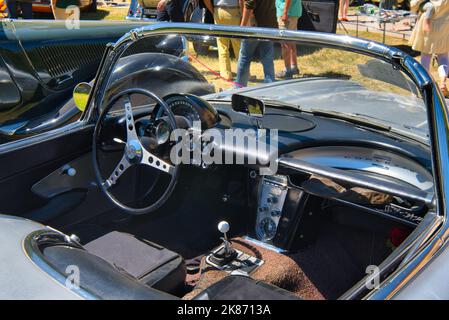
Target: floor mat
column 338, row 258
column 278, row 269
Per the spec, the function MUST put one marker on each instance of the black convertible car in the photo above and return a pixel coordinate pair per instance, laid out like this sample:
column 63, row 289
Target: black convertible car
column 330, row 185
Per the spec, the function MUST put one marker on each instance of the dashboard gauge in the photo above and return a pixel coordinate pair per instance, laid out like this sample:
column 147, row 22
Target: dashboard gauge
column 182, row 106
column 162, row 132
column 266, row 229
column 191, row 108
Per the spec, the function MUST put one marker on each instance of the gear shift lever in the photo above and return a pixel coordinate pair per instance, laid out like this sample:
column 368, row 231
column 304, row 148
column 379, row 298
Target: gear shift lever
column 226, row 253
column 223, row 227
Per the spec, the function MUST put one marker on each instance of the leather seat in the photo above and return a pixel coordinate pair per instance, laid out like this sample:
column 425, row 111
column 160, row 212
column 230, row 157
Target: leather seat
column 98, row 277
column 148, row 262
column 244, row 288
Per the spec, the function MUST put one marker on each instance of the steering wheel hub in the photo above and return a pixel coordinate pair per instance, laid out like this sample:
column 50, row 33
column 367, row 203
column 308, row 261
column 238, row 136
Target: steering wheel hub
column 134, row 151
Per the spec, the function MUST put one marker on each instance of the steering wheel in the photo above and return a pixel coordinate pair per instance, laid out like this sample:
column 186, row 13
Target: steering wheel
column 134, row 153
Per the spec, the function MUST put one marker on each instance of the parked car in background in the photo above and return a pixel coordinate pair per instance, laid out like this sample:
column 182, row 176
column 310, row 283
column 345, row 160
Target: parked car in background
column 44, row 6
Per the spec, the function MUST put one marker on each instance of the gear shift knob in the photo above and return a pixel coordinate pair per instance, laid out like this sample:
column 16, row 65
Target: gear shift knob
column 223, row 227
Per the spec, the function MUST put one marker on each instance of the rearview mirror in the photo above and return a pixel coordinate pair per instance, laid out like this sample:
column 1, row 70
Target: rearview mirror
column 252, row 106
column 81, row 95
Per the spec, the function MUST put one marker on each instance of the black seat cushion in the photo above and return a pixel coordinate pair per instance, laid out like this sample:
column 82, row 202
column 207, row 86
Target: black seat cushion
column 150, row 263
column 244, row 288
column 99, row 277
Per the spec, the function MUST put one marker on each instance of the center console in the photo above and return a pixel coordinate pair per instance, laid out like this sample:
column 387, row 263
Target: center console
column 272, row 195
column 281, row 212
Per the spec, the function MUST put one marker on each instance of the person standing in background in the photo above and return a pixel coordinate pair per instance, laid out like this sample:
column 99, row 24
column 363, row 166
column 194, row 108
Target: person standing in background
column 25, row 5
column 288, row 13
column 431, row 36
column 226, row 12
column 344, row 7
column 170, row 10
column 265, row 15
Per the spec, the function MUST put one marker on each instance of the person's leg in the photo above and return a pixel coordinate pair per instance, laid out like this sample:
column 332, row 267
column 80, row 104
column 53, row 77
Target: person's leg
column 236, row 47
column 266, row 50
column 294, row 56
column 285, row 49
column 345, row 10
column 342, row 9
column 247, row 50
column 235, row 21
column 293, row 25
column 27, row 10
column 344, row 5
column 175, row 10
column 12, row 8
column 223, row 43
column 163, row 15
column 443, row 70
column 425, row 60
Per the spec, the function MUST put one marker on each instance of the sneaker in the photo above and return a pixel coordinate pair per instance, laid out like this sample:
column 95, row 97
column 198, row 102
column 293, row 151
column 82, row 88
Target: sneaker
column 294, row 71
column 284, row 74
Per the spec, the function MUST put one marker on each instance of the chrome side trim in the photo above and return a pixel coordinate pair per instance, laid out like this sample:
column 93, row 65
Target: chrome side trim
column 31, row 249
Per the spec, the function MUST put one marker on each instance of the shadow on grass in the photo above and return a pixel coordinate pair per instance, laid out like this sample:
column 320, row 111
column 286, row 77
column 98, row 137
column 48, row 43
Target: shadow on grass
column 408, row 50
column 99, row 15
column 329, row 74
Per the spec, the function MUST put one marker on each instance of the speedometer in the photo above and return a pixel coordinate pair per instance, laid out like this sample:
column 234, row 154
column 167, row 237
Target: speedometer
column 183, row 106
column 191, row 108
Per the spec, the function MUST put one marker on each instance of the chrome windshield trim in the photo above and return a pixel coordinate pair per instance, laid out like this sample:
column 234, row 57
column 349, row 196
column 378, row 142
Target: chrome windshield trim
column 31, row 248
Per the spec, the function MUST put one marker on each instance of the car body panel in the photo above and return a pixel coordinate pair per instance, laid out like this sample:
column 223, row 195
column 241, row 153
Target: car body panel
column 24, row 279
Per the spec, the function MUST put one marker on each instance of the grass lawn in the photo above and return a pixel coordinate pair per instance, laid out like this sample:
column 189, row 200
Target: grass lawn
column 106, row 13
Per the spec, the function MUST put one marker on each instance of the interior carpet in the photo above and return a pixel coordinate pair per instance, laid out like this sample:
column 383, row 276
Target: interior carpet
column 278, row 269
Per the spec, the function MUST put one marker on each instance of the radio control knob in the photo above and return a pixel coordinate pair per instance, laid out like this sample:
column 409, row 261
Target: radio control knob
column 276, row 213
column 272, row 199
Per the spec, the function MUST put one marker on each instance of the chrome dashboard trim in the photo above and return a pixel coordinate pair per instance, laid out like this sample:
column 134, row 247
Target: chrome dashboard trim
column 369, row 160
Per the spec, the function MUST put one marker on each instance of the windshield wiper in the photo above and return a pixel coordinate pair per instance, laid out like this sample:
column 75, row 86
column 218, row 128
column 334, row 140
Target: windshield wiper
column 353, row 118
column 368, row 122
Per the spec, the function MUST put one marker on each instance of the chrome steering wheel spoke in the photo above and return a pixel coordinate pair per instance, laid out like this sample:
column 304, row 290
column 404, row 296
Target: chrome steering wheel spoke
column 151, row 160
column 122, row 166
column 131, row 133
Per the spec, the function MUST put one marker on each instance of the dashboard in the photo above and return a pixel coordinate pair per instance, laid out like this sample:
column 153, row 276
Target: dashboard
column 322, row 141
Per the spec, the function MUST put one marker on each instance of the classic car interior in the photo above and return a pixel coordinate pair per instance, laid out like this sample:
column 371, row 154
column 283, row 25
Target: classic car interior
column 142, row 227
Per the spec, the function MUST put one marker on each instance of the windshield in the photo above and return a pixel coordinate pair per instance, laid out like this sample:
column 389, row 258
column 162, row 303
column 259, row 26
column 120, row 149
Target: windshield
column 313, row 78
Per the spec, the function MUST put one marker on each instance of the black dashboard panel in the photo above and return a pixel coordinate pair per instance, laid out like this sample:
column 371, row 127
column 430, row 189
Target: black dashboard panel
column 286, row 123
column 330, row 132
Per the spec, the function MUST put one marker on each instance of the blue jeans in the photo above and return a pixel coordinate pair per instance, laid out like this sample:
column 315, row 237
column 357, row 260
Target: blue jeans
column 173, row 12
column 247, row 51
column 27, row 10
